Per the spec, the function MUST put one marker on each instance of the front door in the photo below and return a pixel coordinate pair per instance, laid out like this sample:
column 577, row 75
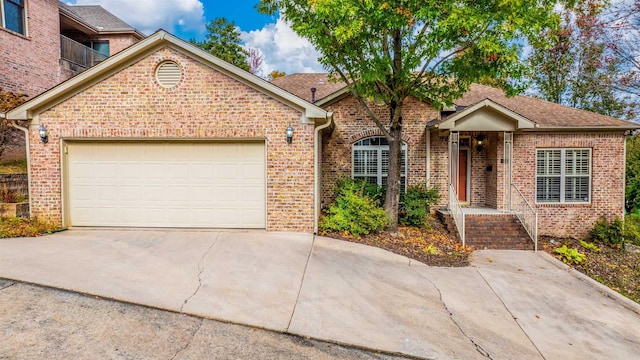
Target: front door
column 462, row 175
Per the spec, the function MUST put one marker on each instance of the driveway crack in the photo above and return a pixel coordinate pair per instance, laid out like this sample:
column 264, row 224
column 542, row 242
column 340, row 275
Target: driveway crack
column 478, row 347
column 11, row 283
column 200, row 271
column 295, row 306
column 186, row 346
column 510, row 313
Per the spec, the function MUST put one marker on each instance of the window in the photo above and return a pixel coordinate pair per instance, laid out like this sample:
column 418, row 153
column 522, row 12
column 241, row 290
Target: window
column 563, row 175
column 13, row 15
column 371, row 161
column 101, row 46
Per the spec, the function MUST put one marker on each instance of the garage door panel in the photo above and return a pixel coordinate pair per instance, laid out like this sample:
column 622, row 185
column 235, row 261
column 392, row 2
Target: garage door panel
column 166, row 184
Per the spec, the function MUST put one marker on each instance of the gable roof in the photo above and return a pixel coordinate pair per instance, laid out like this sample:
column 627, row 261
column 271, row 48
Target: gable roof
column 143, row 48
column 98, row 19
column 543, row 114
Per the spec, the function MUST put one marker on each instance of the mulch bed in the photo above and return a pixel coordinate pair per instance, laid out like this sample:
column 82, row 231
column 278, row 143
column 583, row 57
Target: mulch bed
column 612, row 266
column 433, row 246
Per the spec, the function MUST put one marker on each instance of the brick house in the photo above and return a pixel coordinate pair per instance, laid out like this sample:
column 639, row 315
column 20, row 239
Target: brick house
column 45, row 42
column 558, row 168
column 164, row 134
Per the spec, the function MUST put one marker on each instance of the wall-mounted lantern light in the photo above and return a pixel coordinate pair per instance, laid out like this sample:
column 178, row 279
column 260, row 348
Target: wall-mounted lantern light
column 289, row 134
column 44, row 137
column 480, row 142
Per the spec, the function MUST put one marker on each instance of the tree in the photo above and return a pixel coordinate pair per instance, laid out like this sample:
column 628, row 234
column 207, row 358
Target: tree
column 389, row 50
column 254, row 60
column 580, row 69
column 223, row 40
column 275, row 74
column 8, row 135
column 622, row 25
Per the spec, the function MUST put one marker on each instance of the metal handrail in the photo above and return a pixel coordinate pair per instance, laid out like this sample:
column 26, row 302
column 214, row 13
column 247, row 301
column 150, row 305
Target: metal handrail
column 79, row 54
column 456, row 212
column 526, row 214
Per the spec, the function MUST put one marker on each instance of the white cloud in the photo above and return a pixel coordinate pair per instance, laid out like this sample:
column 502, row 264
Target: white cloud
column 283, row 49
column 151, row 15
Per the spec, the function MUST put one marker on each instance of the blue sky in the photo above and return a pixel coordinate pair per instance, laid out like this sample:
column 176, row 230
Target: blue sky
column 282, row 49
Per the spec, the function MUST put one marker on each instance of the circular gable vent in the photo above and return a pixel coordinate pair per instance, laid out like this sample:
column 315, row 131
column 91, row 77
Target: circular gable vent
column 168, row 74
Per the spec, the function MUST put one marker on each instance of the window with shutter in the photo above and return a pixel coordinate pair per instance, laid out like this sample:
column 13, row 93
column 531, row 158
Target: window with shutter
column 563, row 175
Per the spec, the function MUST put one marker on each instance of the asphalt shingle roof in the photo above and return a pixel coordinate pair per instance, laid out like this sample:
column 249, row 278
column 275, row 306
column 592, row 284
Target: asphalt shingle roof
column 301, row 84
column 98, row 17
column 541, row 112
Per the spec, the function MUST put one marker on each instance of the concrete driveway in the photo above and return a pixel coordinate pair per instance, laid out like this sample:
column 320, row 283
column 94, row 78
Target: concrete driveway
column 508, row 304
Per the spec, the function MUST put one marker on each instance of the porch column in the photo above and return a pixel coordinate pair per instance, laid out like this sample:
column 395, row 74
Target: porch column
column 454, row 147
column 508, row 157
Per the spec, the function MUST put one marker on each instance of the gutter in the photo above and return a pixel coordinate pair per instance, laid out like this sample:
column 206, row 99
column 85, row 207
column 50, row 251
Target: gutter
column 14, row 123
column 316, row 168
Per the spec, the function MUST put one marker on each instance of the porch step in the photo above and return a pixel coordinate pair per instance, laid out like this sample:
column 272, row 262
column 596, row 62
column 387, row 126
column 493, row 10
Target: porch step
column 491, row 231
column 496, row 231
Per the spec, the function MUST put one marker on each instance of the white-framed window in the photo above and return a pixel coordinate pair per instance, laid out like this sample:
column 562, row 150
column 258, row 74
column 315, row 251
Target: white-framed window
column 13, row 15
column 563, row 175
column 370, row 161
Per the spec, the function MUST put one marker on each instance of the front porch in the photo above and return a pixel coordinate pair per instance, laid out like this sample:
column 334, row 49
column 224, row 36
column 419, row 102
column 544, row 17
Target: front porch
column 487, row 209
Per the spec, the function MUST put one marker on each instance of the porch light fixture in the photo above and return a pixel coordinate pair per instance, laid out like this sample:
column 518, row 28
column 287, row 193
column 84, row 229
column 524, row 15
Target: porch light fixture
column 44, row 136
column 480, row 142
column 289, row 134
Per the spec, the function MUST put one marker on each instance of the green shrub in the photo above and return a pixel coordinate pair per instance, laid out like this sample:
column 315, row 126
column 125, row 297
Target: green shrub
column 607, row 233
column 374, row 192
column 569, row 255
column 632, row 229
column 416, row 205
column 353, row 211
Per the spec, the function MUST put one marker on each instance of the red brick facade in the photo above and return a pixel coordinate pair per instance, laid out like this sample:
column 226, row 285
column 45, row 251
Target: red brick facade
column 29, row 63
column 205, row 105
column 352, row 125
column 572, row 220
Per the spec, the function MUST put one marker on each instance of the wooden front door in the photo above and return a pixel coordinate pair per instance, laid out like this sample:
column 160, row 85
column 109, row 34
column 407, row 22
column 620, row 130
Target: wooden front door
column 462, row 175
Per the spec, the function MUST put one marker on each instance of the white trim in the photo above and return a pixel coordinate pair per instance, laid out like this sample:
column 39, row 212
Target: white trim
column 522, row 122
column 563, row 176
column 378, row 148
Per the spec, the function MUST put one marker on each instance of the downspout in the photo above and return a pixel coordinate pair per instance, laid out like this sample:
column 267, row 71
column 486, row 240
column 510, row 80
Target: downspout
column 14, row 123
column 316, row 168
column 428, row 142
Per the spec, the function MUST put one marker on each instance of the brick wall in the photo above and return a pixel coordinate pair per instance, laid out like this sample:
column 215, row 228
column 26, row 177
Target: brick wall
column 29, row 64
column 553, row 219
column 607, row 181
column 352, row 125
column 204, row 105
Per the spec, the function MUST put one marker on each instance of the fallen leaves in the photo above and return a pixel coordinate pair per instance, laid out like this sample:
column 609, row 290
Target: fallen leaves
column 431, row 246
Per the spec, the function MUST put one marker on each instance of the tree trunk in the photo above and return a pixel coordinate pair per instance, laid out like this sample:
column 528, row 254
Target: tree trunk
column 392, row 198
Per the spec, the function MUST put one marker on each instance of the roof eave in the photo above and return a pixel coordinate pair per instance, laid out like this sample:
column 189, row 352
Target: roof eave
column 449, row 122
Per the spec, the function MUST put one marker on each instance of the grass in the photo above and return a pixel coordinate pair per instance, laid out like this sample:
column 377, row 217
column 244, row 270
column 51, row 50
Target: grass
column 14, row 167
column 18, row 227
column 614, row 267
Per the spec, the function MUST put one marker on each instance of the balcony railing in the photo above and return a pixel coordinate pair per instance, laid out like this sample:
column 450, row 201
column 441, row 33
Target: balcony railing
column 79, row 54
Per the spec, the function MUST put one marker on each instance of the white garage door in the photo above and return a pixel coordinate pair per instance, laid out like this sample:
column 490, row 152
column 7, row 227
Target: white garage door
column 160, row 184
